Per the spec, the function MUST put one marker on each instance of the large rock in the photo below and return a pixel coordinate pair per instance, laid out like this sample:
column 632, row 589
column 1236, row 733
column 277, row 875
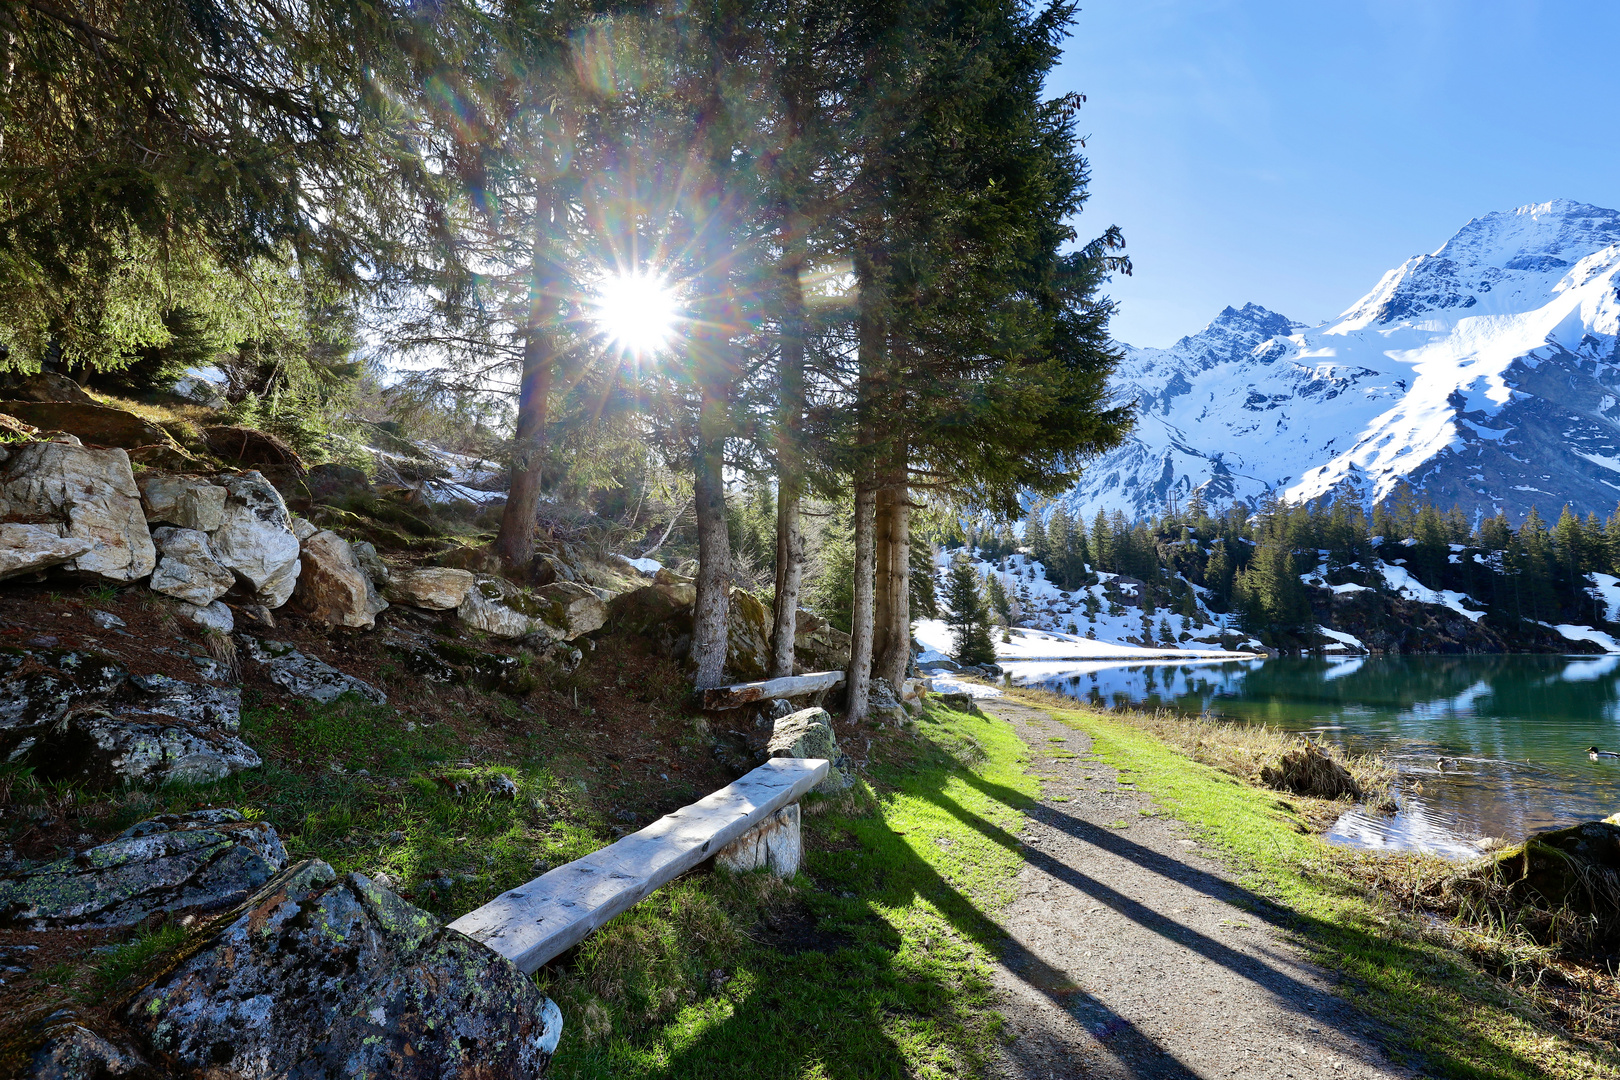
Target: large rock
column 577, row 609
column 498, row 607
column 25, row 549
column 249, row 446
column 79, row 717
column 1573, row 870
column 204, row 861
column 324, row 976
column 188, row 569
column 333, row 483
column 187, row 501
column 663, row 611
column 437, row 588
column 305, row 676
column 333, row 587
column 808, row 733
column 42, row 386
column 99, row 425
column 255, row 538
column 91, row 493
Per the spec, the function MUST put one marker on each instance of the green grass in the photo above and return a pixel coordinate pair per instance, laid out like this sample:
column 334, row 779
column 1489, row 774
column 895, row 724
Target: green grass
column 1443, row 1015
column 895, row 907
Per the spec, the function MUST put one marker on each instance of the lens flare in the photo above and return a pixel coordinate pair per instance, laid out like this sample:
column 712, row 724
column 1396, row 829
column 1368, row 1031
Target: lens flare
column 637, row 312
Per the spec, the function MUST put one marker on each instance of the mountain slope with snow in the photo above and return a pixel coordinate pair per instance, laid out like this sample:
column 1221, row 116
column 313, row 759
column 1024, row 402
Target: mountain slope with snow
column 1485, row 375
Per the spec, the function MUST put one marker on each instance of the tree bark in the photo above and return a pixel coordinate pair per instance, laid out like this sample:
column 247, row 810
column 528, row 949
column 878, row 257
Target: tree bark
column 789, row 459
column 894, row 658
column 515, row 541
column 873, row 338
column 711, row 613
column 859, row 684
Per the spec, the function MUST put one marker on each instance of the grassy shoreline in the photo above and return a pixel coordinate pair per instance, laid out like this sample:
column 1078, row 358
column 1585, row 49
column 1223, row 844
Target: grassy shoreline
column 1443, row 1014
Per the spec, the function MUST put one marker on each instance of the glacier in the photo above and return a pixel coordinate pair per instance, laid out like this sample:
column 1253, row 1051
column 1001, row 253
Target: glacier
column 1485, row 375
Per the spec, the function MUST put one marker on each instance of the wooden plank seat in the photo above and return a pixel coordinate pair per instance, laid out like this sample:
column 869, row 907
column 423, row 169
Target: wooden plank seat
column 737, row 695
column 533, row 923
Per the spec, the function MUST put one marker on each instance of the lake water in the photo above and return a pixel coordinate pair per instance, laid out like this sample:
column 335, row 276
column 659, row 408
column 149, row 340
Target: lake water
column 1519, row 727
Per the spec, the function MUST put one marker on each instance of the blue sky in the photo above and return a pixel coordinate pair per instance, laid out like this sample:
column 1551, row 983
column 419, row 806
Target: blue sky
column 1288, row 152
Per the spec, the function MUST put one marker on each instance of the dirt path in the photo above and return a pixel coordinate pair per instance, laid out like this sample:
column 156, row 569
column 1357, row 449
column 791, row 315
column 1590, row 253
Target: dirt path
column 1133, row 955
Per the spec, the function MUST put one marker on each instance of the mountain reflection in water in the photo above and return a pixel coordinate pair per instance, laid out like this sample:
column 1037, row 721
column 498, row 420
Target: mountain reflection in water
column 1518, row 726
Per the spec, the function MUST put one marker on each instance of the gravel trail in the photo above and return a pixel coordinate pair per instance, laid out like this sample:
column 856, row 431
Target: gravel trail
column 1132, row 955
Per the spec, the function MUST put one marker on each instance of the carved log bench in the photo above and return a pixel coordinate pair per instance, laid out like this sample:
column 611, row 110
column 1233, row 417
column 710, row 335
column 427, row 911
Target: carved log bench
column 758, row 814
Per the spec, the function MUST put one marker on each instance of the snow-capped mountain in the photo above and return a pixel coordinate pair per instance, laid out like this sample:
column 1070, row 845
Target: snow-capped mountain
column 1486, row 374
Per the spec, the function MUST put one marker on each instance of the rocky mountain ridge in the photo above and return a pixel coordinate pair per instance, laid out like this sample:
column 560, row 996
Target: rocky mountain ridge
column 1485, row 374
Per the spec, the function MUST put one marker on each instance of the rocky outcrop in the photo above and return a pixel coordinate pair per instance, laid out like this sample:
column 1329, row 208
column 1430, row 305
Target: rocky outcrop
column 27, row 549
column 808, row 733
column 305, row 676
column 663, row 611
column 204, row 861
column 216, row 617
column 90, row 493
column 577, row 609
column 332, row 585
column 79, row 717
column 250, row 446
column 42, row 386
column 496, row 606
column 437, row 588
column 255, row 538
column 330, row 976
column 99, row 425
column 189, row 502
column 883, row 703
column 188, row 569
column 818, row 645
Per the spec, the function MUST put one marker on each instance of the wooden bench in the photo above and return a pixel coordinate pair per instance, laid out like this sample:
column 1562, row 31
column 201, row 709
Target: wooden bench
column 533, row 923
column 717, row 698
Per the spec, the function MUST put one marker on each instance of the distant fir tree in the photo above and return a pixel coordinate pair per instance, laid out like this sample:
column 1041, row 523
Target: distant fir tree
column 968, row 619
column 996, row 596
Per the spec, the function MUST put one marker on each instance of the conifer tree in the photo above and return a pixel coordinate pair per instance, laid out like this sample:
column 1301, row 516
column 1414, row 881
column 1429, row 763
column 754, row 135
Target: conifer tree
column 967, row 618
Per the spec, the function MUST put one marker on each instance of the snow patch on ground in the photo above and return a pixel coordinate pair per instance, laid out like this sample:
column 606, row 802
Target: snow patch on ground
column 945, row 684
column 1404, row 584
column 935, row 636
column 1571, row 632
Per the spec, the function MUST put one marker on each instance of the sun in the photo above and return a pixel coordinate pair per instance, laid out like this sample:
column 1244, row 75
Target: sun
column 636, row 311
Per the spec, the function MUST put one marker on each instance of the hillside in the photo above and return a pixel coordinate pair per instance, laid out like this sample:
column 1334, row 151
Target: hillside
column 1484, row 375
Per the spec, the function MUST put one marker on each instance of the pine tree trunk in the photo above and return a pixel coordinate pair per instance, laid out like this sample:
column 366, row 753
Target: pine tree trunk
column 873, row 338
column 894, row 659
column 882, row 574
column 860, row 637
column 515, row 541
column 789, row 456
column 711, row 613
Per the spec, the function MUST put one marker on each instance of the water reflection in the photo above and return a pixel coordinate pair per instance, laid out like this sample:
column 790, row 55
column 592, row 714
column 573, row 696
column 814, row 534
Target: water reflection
column 1518, row 726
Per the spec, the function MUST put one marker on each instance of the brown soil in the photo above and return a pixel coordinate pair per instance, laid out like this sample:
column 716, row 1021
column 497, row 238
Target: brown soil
column 1132, row 955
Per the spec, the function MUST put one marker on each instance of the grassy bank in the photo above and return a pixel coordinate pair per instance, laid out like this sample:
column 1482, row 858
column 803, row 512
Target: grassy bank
column 1445, row 1015
column 872, row 962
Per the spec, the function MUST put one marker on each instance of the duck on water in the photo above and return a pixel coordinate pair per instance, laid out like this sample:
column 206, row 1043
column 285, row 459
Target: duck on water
column 1602, row 755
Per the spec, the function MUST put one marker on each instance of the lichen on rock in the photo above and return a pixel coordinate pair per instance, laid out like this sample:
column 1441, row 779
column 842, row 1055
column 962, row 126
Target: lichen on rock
column 336, row 976
column 808, row 733
column 204, row 861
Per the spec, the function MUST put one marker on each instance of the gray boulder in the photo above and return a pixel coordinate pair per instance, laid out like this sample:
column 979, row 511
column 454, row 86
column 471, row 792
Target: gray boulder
column 79, row 717
column 188, row 569
column 324, row 976
column 305, row 676
column 808, row 733
column 27, row 549
column 216, row 617
column 189, row 502
column 255, row 538
column 204, row 861
column 88, row 491
column 498, row 607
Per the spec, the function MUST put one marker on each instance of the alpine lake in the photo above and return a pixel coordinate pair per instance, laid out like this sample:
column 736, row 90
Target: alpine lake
column 1517, row 728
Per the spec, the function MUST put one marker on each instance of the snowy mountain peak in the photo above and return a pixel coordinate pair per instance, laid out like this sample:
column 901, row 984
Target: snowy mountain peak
column 1486, row 374
column 1537, row 238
